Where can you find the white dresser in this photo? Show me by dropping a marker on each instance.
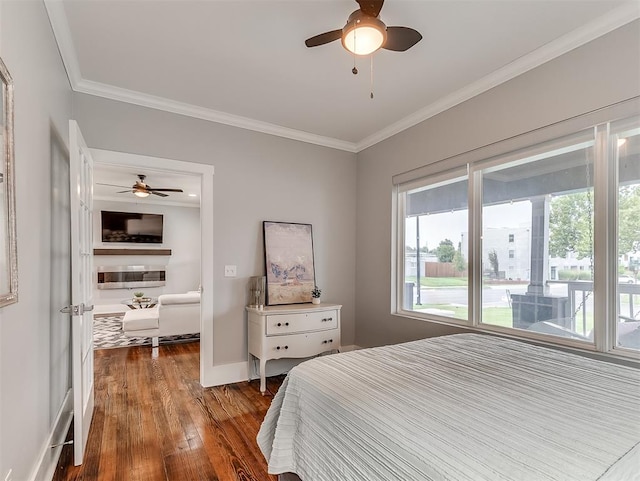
(291, 331)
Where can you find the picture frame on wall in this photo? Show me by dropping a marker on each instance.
(289, 263)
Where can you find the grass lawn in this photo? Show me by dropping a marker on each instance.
(502, 316)
(497, 316)
(439, 281)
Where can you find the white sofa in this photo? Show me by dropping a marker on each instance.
(174, 315)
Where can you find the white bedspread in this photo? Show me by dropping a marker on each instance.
(463, 407)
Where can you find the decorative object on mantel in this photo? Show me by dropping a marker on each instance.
(8, 251)
(138, 294)
(288, 258)
(315, 295)
(256, 291)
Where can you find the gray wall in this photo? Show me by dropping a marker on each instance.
(34, 346)
(595, 75)
(257, 177)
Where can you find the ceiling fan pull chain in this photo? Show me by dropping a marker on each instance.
(371, 76)
(354, 70)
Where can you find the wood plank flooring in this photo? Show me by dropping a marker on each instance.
(153, 421)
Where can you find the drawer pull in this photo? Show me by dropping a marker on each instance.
(286, 347)
(279, 324)
(277, 348)
(286, 323)
(330, 319)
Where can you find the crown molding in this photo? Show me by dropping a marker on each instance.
(616, 18)
(160, 103)
(62, 34)
(55, 9)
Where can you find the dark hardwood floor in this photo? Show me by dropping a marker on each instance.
(153, 421)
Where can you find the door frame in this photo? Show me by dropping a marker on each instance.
(206, 172)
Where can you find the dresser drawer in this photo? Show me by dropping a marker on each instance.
(301, 322)
(302, 345)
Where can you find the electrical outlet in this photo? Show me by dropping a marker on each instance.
(8, 476)
(229, 271)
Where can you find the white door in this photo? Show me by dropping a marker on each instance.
(81, 172)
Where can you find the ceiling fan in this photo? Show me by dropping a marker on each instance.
(141, 189)
(365, 33)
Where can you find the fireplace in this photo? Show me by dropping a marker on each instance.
(127, 277)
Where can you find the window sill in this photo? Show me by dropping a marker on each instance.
(623, 356)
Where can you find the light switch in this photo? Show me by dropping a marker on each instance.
(229, 271)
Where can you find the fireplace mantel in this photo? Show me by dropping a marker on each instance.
(131, 252)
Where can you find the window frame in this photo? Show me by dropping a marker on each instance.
(594, 125)
(444, 177)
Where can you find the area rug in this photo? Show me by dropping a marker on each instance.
(107, 334)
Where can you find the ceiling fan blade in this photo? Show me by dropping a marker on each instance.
(124, 191)
(370, 7)
(165, 190)
(400, 39)
(158, 193)
(323, 38)
(111, 185)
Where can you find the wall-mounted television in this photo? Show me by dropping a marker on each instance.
(131, 227)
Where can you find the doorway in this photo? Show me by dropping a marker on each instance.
(166, 169)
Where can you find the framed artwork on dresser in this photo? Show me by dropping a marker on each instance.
(288, 259)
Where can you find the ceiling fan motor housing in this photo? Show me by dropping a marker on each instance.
(362, 44)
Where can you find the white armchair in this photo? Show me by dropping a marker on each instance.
(175, 314)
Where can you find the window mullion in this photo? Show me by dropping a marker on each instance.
(605, 249)
(398, 242)
(475, 246)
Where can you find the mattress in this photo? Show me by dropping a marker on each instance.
(461, 407)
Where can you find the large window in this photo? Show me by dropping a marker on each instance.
(436, 220)
(548, 200)
(521, 242)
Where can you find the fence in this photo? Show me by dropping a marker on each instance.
(443, 269)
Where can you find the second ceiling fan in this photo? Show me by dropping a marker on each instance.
(142, 189)
(365, 33)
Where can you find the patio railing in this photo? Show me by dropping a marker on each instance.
(580, 301)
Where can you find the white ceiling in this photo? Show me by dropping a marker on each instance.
(244, 62)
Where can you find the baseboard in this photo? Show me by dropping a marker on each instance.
(238, 371)
(48, 460)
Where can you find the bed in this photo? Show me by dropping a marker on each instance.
(461, 407)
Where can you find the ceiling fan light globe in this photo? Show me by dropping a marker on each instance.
(364, 35)
(141, 193)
